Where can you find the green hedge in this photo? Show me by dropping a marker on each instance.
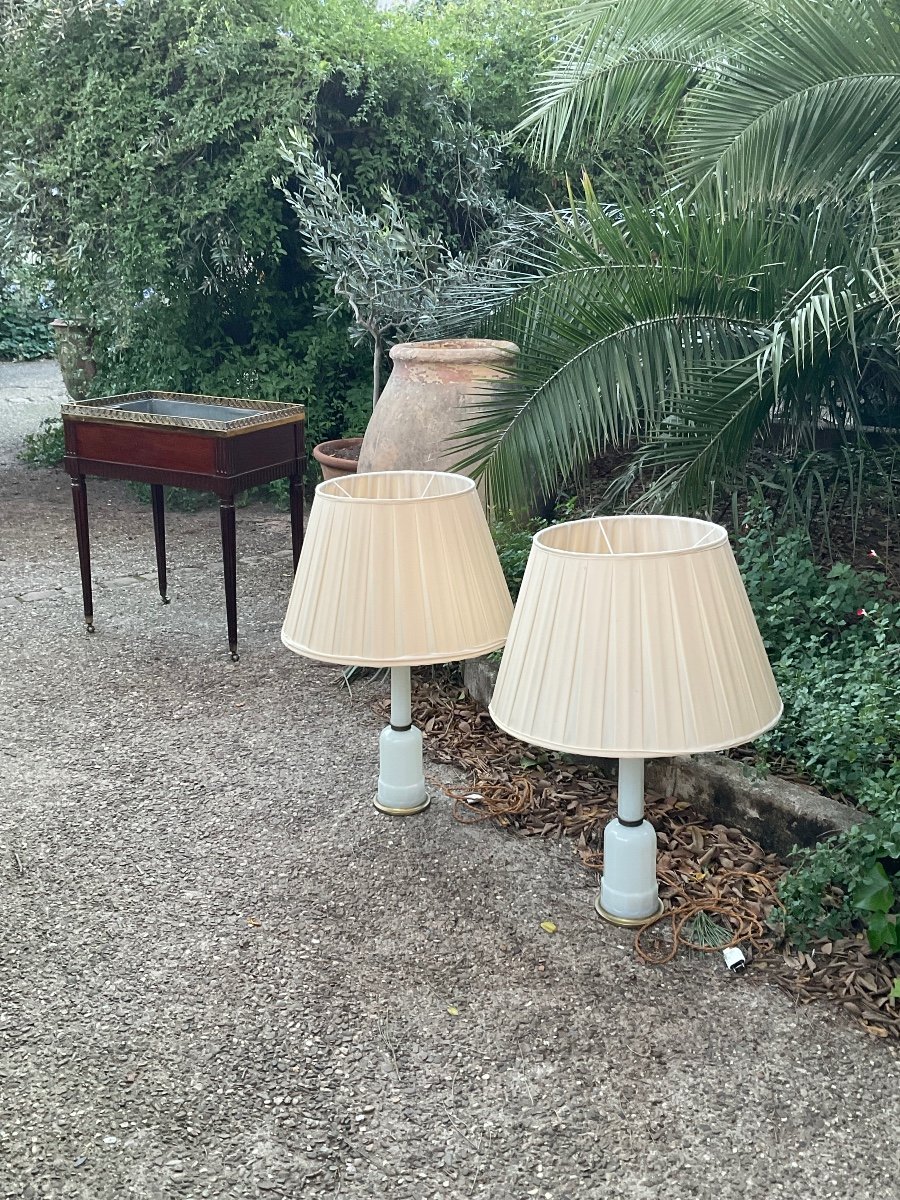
(140, 140)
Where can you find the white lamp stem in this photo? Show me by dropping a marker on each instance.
(629, 894)
(631, 790)
(401, 697)
(401, 778)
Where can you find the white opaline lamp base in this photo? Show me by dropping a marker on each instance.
(401, 777)
(629, 892)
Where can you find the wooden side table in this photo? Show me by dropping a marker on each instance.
(169, 439)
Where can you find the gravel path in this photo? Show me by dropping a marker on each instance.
(223, 974)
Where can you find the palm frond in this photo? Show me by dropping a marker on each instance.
(531, 434)
(677, 325)
(807, 105)
(626, 62)
(807, 368)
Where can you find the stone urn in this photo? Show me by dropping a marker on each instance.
(74, 353)
(425, 399)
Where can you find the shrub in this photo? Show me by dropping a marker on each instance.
(513, 543)
(513, 539)
(24, 323)
(264, 351)
(136, 138)
(44, 447)
(140, 142)
(848, 881)
(834, 644)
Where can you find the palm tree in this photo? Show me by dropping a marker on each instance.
(778, 99)
(760, 284)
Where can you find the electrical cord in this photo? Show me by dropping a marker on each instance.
(745, 925)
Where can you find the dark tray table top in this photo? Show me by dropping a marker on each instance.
(221, 415)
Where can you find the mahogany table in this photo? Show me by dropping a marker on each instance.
(169, 439)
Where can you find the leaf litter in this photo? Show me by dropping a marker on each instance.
(719, 886)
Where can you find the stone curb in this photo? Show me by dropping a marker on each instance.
(775, 812)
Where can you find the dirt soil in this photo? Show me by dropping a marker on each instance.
(224, 974)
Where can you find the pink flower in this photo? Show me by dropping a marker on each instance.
(872, 554)
(861, 612)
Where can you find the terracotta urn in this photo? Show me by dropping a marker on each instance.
(74, 352)
(338, 457)
(425, 399)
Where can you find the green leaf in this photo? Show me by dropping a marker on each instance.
(875, 893)
(883, 933)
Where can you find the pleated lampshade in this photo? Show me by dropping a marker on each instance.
(397, 568)
(633, 638)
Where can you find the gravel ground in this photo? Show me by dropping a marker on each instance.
(224, 974)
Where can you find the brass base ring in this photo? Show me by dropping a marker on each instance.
(402, 812)
(629, 922)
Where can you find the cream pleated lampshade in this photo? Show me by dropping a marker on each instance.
(397, 568)
(633, 638)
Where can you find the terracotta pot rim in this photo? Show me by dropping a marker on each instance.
(323, 452)
(455, 350)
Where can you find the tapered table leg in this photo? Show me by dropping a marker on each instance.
(229, 563)
(79, 500)
(159, 536)
(296, 493)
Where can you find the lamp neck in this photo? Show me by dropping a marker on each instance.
(631, 791)
(401, 698)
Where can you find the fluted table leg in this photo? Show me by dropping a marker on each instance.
(229, 564)
(79, 501)
(159, 537)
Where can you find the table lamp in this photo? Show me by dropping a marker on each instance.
(633, 638)
(398, 569)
